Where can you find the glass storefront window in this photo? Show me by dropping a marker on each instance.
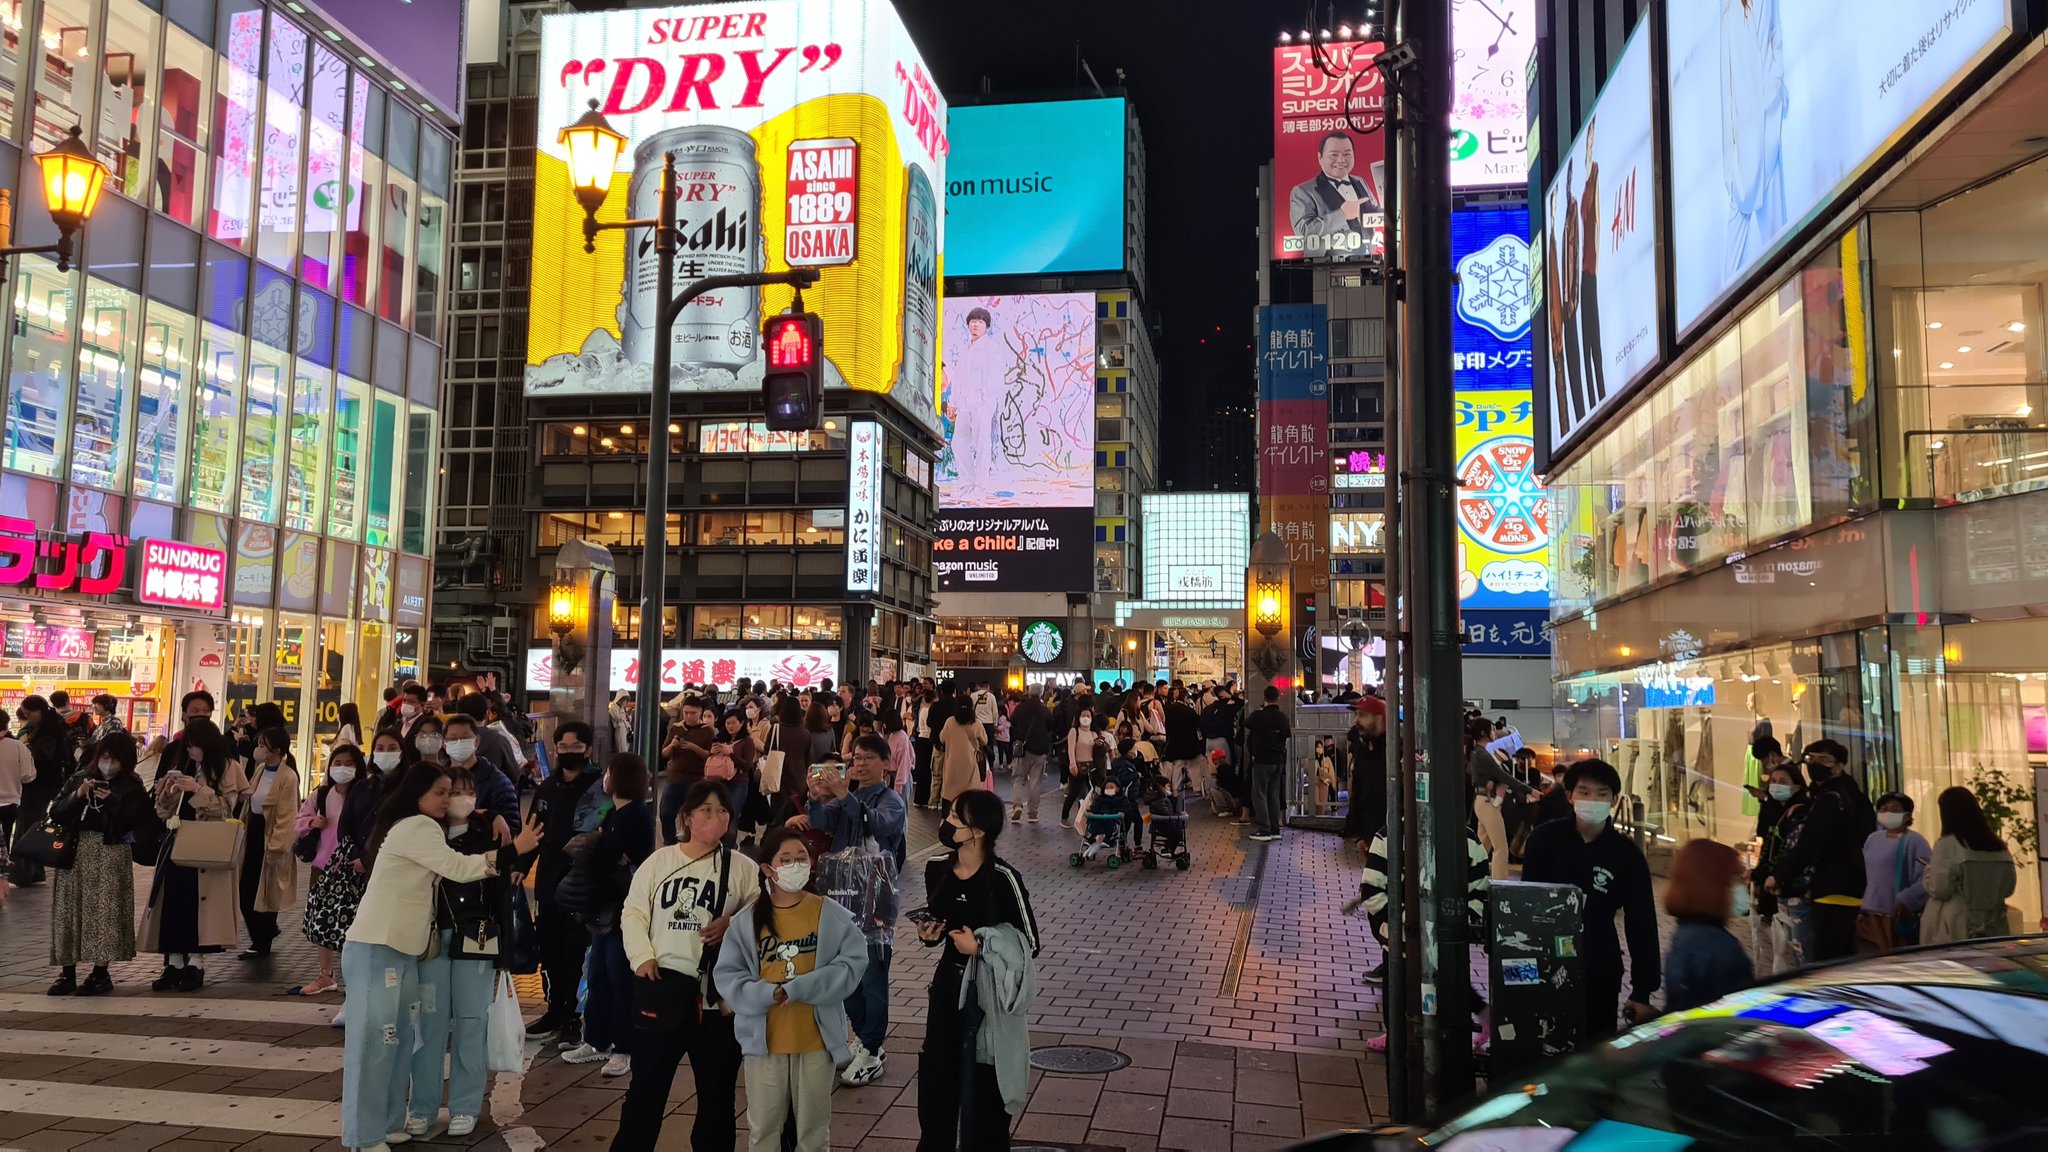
(65, 77)
(766, 622)
(332, 677)
(385, 459)
(813, 622)
(284, 144)
(307, 478)
(234, 139)
(345, 479)
(39, 366)
(1774, 410)
(401, 198)
(10, 72)
(269, 398)
(185, 108)
(168, 345)
(422, 449)
(99, 432)
(247, 658)
(433, 237)
(810, 532)
(288, 667)
(715, 622)
(365, 192)
(372, 668)
(326, 198)
(127, 143)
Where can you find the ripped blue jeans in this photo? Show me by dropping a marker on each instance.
(383, 993)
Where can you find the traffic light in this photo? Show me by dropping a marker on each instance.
(793, 387)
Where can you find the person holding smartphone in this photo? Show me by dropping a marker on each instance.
(960, 1102)
(92, 910)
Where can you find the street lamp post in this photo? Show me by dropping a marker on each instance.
(72, 179)
(593, 148)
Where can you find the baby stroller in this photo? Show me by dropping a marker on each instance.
(1166, 824)
(1108, 820)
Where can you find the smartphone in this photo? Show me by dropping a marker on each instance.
(921, 916)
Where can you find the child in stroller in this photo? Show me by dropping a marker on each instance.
(1166, 823)
(1109, 822)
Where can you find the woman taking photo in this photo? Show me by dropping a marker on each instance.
(408, 850)
(787, 990)
(336, 887)
(92, 910)
(269, 875)
(456, 979)
(677, 912)
(967, 890)
(1969, 875)
(192, 910)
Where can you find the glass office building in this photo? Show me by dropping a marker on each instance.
(239, 380)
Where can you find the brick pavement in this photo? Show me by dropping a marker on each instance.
(1232, 988)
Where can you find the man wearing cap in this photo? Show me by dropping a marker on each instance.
(1366, 747)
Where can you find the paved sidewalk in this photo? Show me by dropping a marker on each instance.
(1232, 990)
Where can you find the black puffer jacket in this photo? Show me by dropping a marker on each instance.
(1828, 850)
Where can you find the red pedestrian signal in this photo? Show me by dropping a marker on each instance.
(793, 388)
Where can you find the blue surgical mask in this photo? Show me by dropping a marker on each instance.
(1781, 792)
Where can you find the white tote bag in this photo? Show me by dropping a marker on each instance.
(505, 1042)
(771, 763)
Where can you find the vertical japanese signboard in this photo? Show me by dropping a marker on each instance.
(864, 508)
(1294, 433)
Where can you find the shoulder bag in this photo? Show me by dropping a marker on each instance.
(707, 958)
(205, 843)
(50, 844)
(771, 762)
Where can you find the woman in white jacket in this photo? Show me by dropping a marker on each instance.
(677, 911)
(407, 852)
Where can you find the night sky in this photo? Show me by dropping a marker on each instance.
(1199, 75)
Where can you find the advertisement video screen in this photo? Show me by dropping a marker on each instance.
(1017, 475)
(1035, 188)
(804, 133)
(1775, 105)
(1327, 172)
(1490, 323)
(1491, 40)
(1600, 251)
(1503, 513)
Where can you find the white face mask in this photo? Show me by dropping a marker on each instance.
(428, 744)
(108, 768)
(1739, 906)
(792, 877)
(386, 759)
(1087, 722)
(1892, 821)
(408, 710)
(459, 807)
(342, 773)
(1592, 812)
(460, 751)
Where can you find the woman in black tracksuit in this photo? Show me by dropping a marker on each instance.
(966, 889)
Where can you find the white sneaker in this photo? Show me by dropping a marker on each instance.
(461, 1125)
(400, 1137)
(865, 1069)
(416, 1126)
(619, 1065)
(337, 1021)
(585, 1054)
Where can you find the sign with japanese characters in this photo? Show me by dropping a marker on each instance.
(1358, 468)
(91, 564)
(1490, 326)
(1294, 434)
(1503, 511)
(178, 575)
(1019, 550)
(824, 203)
(1497, 633)
(864, 507)
(721, 667)
(1329, 149)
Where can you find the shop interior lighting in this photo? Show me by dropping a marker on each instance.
(1934, 325)
(625, 429)
(1937, 446)
(2016, 326)
(1963, 348)
(578, 430)
(1948, 364)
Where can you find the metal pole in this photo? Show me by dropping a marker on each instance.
(1396, 1003)
(1445, 799)
(654, 534)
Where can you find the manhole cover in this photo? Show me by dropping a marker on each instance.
(1077, 1059)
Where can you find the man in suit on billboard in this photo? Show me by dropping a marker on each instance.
(1334, 204)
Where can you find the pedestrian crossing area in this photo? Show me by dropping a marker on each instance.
(242, 1067)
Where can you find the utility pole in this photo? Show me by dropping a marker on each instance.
(1422, 69)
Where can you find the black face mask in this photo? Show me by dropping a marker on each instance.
(949, 835)
(570, 762)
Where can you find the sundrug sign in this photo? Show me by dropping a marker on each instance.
(178, 575)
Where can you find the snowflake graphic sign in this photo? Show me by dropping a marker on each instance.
(1493, 287)
(1490, 348)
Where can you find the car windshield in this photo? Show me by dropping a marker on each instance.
(1909, 1052)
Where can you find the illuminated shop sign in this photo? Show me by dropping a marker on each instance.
(721, 667)
(182, 575)
(733, 437)
(91, 564)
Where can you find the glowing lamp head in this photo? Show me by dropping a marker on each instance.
(562, 607)
(72, 179)
(593, 147)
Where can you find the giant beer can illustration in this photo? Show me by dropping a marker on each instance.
(718, 199)
(918, 383)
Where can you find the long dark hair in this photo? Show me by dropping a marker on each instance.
(349, 717)
(1963, 818)
(213, 750)
(400, 802)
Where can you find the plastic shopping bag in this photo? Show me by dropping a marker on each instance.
(505, 1042)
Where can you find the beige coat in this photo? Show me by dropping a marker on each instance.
(219, 902)
(1966, 893)
(961, 745)
(278, 888)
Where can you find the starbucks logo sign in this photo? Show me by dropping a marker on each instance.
(1041, 642)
